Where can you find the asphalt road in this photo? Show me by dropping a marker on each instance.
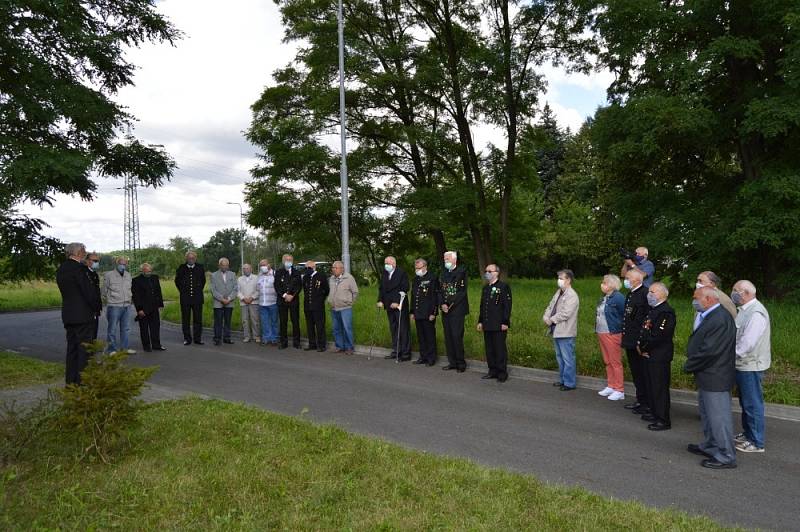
(571, 438)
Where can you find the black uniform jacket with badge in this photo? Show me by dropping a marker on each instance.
(79, 301)
(316, 288)
(389, 289)
(425, 296)
(146, 292)
(657, 332)
(288, 283)
(636, 309)
(190, 283)
(453, 291)
(495, 306)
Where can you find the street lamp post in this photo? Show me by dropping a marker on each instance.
(343, 170)
(241, 229)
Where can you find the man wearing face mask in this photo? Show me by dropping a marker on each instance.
(147, 300)
(656, 346)
(393, 282)
(247, 292)
(117, 293)
(455, 307)
(494, 321)
(316, 289)
(561, 318)
(424, 308)
(641, 263)
(267, 304)
(709, 278)
(711, 356)
(93, 264)
(341, 297)
(223, 290)
(288, 285)
(636, 309)
(190, 279)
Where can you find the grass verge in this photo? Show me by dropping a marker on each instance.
(17, 371)
(214, 465)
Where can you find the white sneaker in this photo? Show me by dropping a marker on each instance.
(740, 438)
(748, 447)
(616, 396)
(246, 340)
(605, 392)
(131, 351)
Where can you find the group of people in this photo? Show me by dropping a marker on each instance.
(730, 342)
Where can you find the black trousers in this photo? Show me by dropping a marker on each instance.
(222, 323)
(658, 376)
(77, 356)
(96, 322)
(315, 322)
(636, 363)
(150, 330)
(400, 329)
(454, 339)
(284, 313)
(496, 352)
(426, 334)
(195, 311)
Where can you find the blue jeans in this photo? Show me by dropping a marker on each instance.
(119, 318)
(751, 399)
(269, 323)
(343, 329)
(565, 356)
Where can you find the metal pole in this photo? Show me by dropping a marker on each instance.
(343, 171)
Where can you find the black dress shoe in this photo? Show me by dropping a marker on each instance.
(461, 370)
(187, 342)
(632, 406)
(404, 359)
(695, 449)
(558, 384)
(228, 341)
(566, 388)
(389, 357)
(659, 425)
(448, 368)
(642, 410)
(429, 364)
(217, 342)
(489, 376)
(162, 348)
(418, 361)
(199, 342)
(713, 464)
(502, 378)
(649, 417)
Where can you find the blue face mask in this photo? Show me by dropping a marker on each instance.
(652, 300)
(627, 284)
(120, 268)
(288, 264)
(697, 306)
(388, 267)
(736, 297)
(95, 265)
(448, 265)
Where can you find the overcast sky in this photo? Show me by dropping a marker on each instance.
(195, 99)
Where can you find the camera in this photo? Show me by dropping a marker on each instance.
(627, 255)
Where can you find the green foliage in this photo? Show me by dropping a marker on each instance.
(18, 370)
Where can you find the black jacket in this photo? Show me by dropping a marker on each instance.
(95, 278)
(80, 301)
(146, 293)
(495, 306)
(711, 353)
(636, 309)
(389, 289)
(316, 288)
(287, 282)
(657, 332)
(453, 291)
(425, 296)
(190, 283)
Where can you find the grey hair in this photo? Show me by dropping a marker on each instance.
(390, 258)
(117, 260)
(73, 248)
(451, 254)
(713, 277)
(612, 281)
(747, 287)
(337, 263)
(662, 287)
(569, 273)
(423, 261)
(145, 264)
(709, 292)
(223, 259)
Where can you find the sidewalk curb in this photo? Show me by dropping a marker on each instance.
(679, 396)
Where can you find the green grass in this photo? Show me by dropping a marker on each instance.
(213, 465)
(17, 371)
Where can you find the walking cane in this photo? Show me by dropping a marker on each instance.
(399, 321)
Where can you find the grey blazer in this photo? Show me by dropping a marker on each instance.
(223, 289)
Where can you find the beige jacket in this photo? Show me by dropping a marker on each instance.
(343, 293)
(566, 316)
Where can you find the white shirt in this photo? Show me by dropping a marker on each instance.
(753, 330)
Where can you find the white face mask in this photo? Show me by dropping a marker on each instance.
(627, 284)
(698, 285)
(561, 283)
(420, 273)
(264, 269)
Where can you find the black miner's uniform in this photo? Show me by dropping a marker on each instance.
(95, 278)
(389, 292)
(146, 292)
(655, 341)
(636, 309)
(289, 282)
(316, 288)
(496, 311)
(190, 282)
(424, 304)
(79, 306)
(453, 293)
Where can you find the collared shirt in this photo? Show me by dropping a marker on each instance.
(753, 330)
(702, 315)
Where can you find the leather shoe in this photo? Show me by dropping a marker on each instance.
(162, 348)
(187, 342)
(659, 425)
(642, 410)
(199, 342)
(558, 384)
(649, 417)
(489, 376)
(228, 341)
(566, 388)
(429, 364)
(632, 406)
(695, 449)
(217, 342)
(389, 357)
(461, 370)
(418, 361)
(713, 464)
(448, 368)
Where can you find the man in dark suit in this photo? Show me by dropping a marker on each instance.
(424, 308)
(190, 278)
(711, 356)
(494, 320)
(147, 298)
(636, 309)
(655, 345)
(455, 307)
(288, 285)
(316, 289)
(392, 289)
(92, 262)
(80, 304)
